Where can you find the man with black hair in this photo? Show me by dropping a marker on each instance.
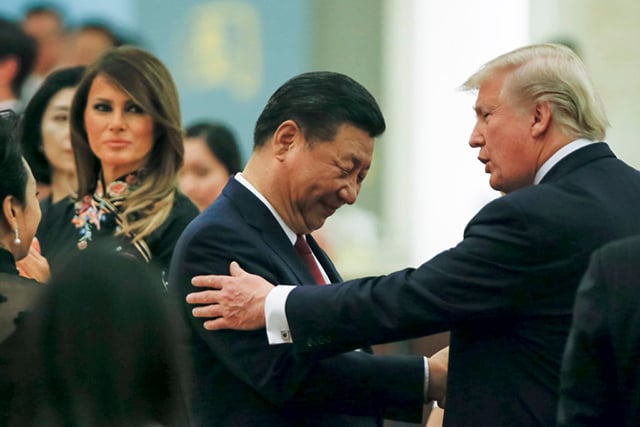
(45, 23)
(18, 53)
(313, 145)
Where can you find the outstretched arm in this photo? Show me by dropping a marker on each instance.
(438, 369)
(389, 386)
(237, 302)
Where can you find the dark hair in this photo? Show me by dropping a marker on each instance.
(319, 102)
(13, 174)
(101, 26)
(103, 345)
(44, 9)
(14, 41)
(221, 142)
(31, 122)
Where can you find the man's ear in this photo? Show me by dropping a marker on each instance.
(285, 137)
(541, 119)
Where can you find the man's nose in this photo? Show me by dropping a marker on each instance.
(349, 193)
(476, 139)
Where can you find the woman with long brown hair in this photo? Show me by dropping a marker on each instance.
(128, 146)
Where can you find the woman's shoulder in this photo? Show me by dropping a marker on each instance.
(183, 205)
(56, 223)
(17, 295)
(8, 280)
(183, 211)
(57, 211)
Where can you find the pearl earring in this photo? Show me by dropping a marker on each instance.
(17, 240)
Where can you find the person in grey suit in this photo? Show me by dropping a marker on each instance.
(506, 290)
(313, 145)
(600, 376)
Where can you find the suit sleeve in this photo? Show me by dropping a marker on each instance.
(354, 383)
(494, 272)
(587, 375)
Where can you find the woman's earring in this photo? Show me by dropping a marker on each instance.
(17, 240)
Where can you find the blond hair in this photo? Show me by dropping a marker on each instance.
(549, 73)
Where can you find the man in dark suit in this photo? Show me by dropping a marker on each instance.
(600, 376)
(506, 290)
(313, 145)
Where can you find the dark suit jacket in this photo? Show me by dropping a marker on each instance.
(241, 379)
(600, 378)
(506, 292)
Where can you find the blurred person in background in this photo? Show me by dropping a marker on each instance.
(128, 147)
(19, 218)
(211, 156)
(45, 23)
(45, 135)
(600, 376)
(18, 53)
(101, 348)
(87, 41)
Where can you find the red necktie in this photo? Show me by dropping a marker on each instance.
(302, 247)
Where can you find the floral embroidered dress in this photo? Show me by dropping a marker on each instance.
(102, 211)
(72, 225)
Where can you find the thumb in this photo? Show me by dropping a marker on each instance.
(235, 269)
(35, 243)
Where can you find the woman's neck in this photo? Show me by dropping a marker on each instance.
(110, 174)
(63, 184)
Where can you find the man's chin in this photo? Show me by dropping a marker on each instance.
(316, 224)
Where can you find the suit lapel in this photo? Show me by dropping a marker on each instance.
(258, 216)
(325, 261)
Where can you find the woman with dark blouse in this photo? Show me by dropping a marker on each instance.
(127, 142)
(102, 349)
(19, 217)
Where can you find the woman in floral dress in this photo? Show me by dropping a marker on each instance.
(128, 145)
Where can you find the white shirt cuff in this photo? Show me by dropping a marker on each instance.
(276, 319)
(426, 379)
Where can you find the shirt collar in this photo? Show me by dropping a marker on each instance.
(288, 231)
(559, 155)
